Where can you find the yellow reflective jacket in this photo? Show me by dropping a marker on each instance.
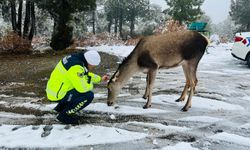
(70, 73)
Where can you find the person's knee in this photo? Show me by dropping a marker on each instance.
(89, 96)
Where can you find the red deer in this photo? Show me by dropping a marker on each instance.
(184, 48)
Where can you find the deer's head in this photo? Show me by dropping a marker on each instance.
(113, 89)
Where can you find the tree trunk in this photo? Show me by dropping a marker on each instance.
(116, 25)
(19, 22)
(13, 15)
(132, 27)
(33, 21)
(109, 26)
(63, 32)
(26, 20)
(120, 23)
(93, 21)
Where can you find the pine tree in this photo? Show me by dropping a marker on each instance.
(184, 10)
(62, 13)
(240, 13)
(120, 11)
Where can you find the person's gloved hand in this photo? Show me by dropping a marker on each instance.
(105, 78)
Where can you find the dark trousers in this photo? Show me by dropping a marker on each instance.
(73, 102)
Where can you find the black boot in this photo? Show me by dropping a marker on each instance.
(67, 119)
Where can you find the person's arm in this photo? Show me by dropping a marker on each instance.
(78, 79)
(95, 78)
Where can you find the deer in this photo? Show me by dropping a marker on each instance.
(181, 48)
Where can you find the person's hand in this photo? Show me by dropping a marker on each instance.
(105, 78)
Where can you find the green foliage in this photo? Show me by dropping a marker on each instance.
(67, 6)
(122, 11)
(240, 13)
(184, 10)
(5, 10)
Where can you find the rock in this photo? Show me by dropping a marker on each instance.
(67, 127)
(17, 127)
(35, 127)
(112, 117)
(47, 128)
(46, 133)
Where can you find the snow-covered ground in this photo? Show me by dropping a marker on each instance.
(218, 119)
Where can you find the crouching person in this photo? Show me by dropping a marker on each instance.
(71, 84)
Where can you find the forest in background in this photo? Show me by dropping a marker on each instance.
(65, 23)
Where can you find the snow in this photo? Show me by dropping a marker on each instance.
(4, 96)
(169, 129)
(228, 101)
(231, 138)
(180, 146)
(60, 136)
(102, 95)
(245, 126)
(197, 102)
(14, 115)
(204, 119)
(96, 107)
(247, 98)
(127, 110)
(120, 51)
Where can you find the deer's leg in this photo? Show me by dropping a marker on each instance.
(187, 86)
(151, 79)
(145, 96)
(193, 82)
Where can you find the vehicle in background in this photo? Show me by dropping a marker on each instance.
(241, 47)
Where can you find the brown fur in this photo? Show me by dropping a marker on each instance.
(184, 48)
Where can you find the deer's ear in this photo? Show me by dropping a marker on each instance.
(115, 76)
(114, 79)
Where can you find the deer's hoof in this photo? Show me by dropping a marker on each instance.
(184, 109)
(110, 103)
(179, 100)
(146, 106)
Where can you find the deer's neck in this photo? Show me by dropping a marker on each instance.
(126, 71)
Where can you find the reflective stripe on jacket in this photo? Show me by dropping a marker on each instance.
(62, 80)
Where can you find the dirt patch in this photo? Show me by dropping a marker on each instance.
(179, 137)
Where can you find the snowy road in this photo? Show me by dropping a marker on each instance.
(218, 120)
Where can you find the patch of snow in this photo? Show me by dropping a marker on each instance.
(180, 146)
(35, 106)
(21, 116)
(97, 107)
(60, 137)
(160, 126)
(101, 95)
(3, 102)
(246, 98)
(213, 72)
(127, 110)
(14, 115)
(245, 126)
(16, 83)
(4, 96)
(205, 119)
(231, 138)
(197, 102)
(112, 117)
(29, 93)
(120, 51)
(98, 95)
